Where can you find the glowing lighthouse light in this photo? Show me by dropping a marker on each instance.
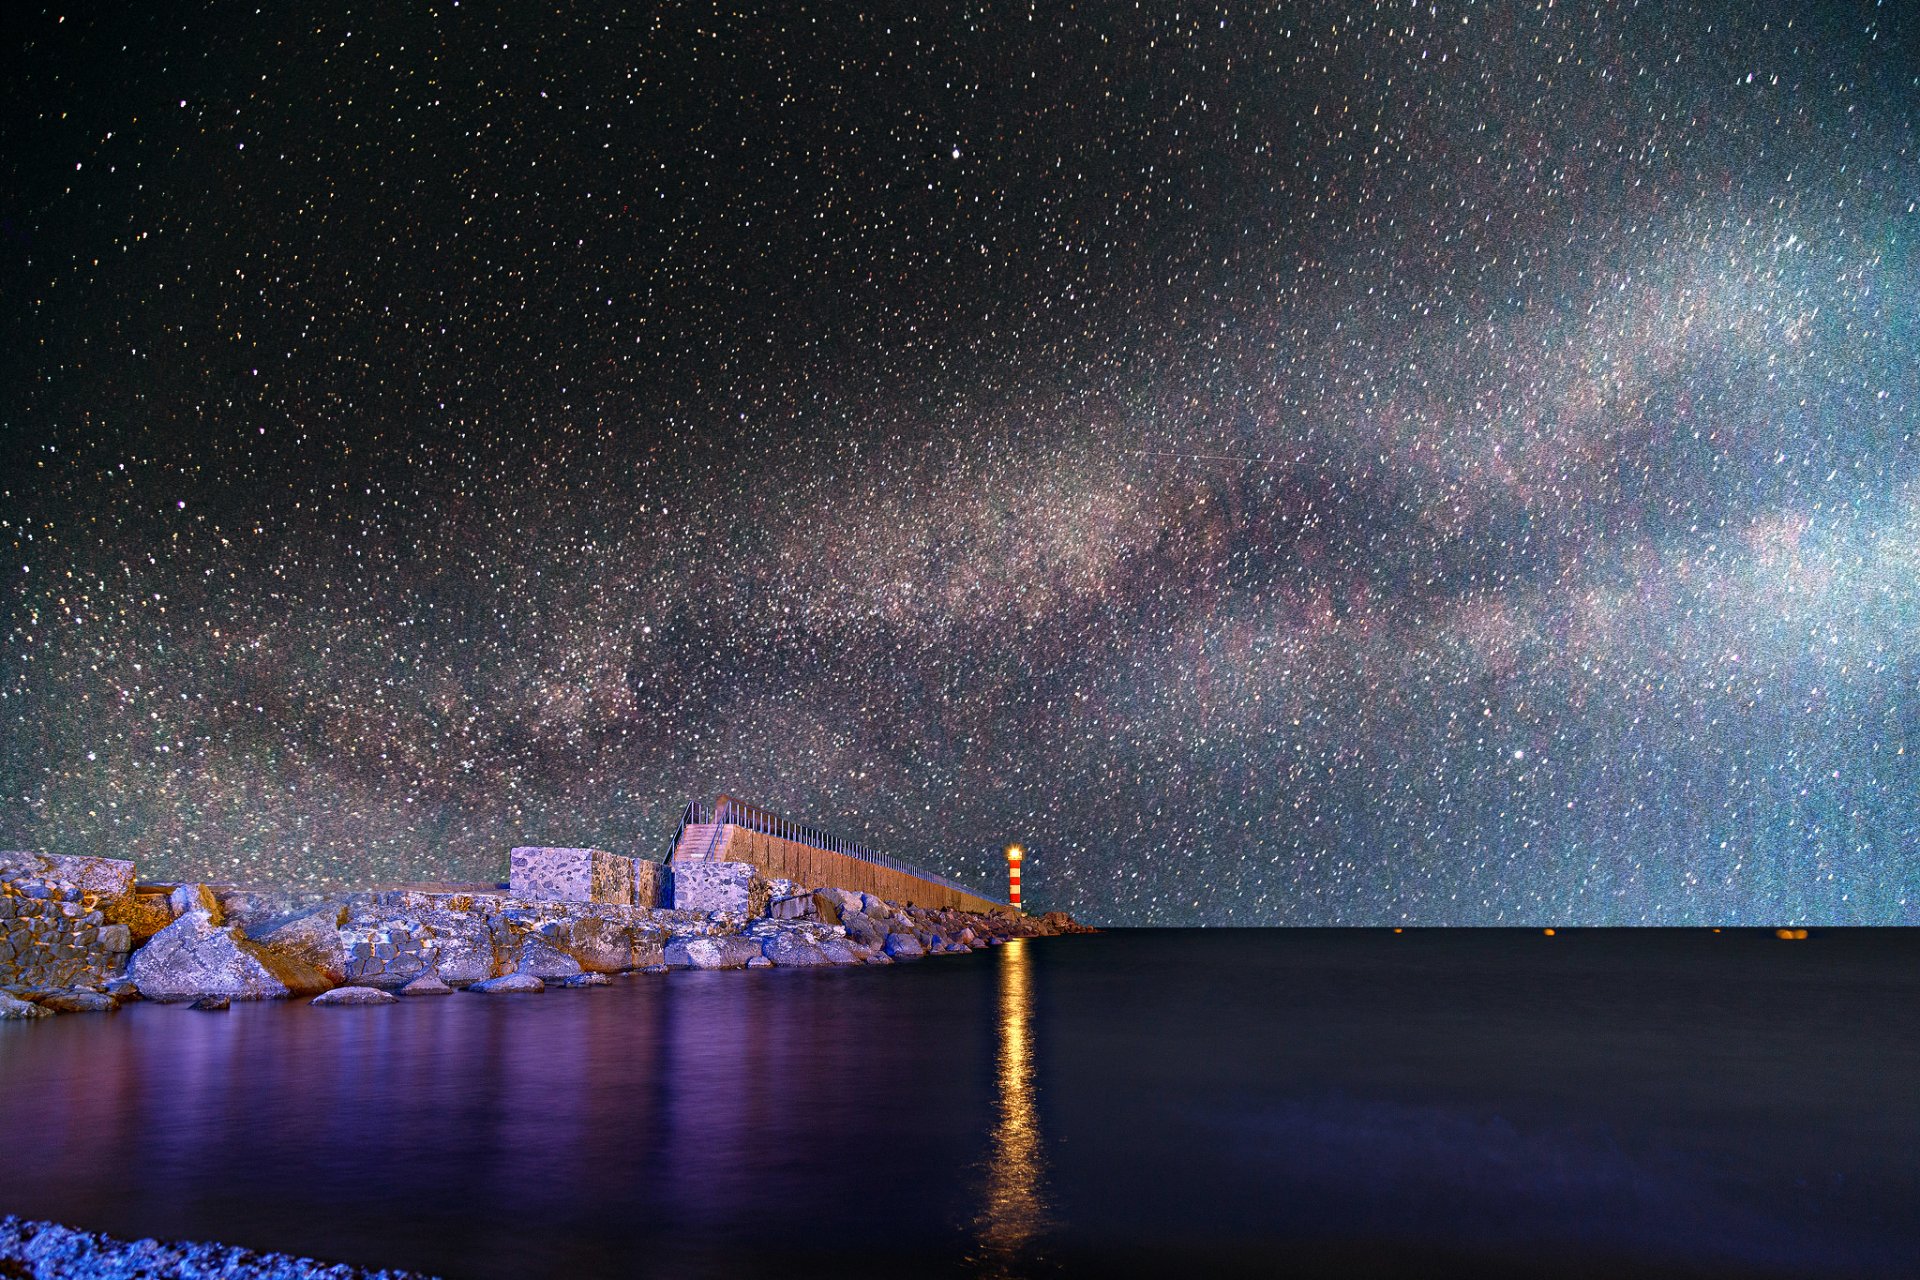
(1014, 855)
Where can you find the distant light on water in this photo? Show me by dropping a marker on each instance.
(1014, 1210)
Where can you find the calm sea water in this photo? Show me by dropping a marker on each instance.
(1166, 1102)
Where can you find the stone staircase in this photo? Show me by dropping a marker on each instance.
(694, 842)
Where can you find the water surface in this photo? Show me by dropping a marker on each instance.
(1252, 1102)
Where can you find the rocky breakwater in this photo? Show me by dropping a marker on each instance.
(92, 948)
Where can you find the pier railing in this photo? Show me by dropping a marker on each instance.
(727, 811)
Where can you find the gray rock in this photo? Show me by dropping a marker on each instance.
(905, 946)
(827, 905)
(426, 985)
(542, 959)
(509, 984)
(14, 1009)
(461, 945)
(194, 957)
(863, 930)
(727, 951)
(195, 897)
(838, 951)
(759, 962)
(585, 980)
(211, 1004)
(79, 1002)
(356, 995)
(605, 945)
(879, 957)
(312, 940)
(794, 950)
(656, 968)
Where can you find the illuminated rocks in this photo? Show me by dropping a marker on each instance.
(63, 949)
(195, 957)
(45, 1249)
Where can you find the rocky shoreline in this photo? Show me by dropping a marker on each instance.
(78, 936)
(49, 1251)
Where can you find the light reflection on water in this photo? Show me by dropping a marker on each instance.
(1014, 1209)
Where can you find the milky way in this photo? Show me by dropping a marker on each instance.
(1338, 464)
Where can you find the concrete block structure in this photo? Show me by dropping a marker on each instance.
(552, 874)
(734, 887)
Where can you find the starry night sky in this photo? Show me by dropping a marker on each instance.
(1331, 464)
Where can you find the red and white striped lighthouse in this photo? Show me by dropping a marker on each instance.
(1014, 856)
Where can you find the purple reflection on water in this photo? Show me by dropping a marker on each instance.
(1703, 1103)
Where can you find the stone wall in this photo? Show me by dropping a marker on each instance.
(53, 932)
(105, 877)
(779, 859)
(553, 874)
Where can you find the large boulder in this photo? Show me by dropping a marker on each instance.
(905, 946)
(141, 915)
(838, 951)
(195, 957)
(426, 985)
(604, 945)
(792, 949)
(542, 959)
(728, 951)
(313, 940)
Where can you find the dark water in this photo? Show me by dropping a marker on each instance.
(1251, 1102)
